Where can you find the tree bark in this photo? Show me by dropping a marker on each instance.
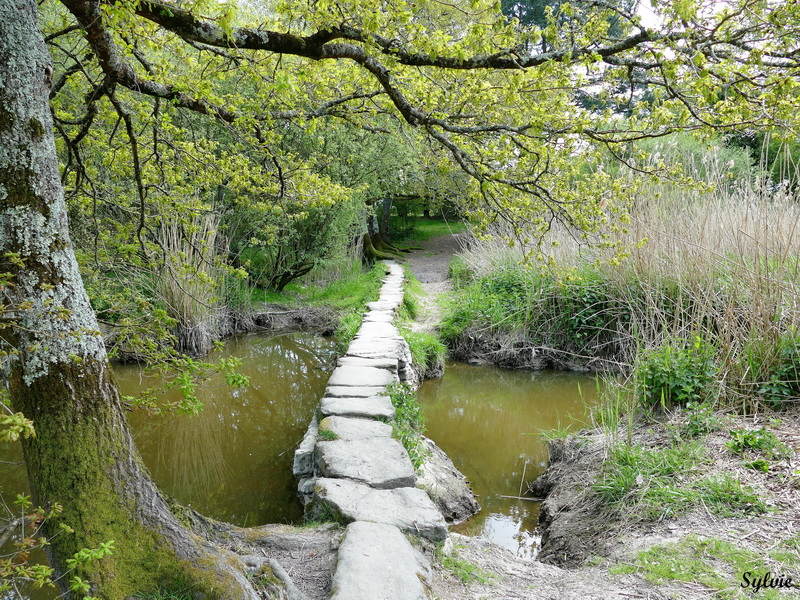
(83, 456)
(385, 205)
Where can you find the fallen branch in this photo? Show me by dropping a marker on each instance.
(522, 498)
(7, 529)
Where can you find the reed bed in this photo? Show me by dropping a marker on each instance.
(705, 302)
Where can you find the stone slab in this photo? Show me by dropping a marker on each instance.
(377, 407)
(382, 305)
(410, 509)
(348, 429)
(381, 463)
(376, 562)
(360, 376)
(371, 329)
(342, 391)
(305, 490)
(303, 463)
(367, 348)
(377, 363)
(378, 316)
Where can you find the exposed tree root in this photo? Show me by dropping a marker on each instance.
(258, 564)
(371, 253)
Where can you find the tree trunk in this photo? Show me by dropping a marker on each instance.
(83, 456)
(386, 212)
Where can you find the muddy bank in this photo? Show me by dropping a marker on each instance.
(268, 318)
(573, 520)
(579, 528)
(512, 351)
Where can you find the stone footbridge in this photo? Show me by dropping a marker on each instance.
(350, 468)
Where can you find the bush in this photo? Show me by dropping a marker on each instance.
(676, 373)
(784, 378)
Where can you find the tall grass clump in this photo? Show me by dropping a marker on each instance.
(189, 281)
(718, 262)
(409, 423)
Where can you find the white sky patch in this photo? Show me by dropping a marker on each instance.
(650, 19)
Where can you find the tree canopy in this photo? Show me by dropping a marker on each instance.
(462, 75)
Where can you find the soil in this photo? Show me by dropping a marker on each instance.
(430, 265)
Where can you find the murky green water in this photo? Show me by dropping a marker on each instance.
(487, 420)
(233, 461)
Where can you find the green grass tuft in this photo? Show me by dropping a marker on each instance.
(661, 482)
(409, 423)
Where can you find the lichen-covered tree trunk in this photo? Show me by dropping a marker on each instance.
(83, 456)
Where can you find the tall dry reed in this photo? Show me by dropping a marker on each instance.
(189, 282)
(720, 261)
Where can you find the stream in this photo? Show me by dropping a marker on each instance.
(488, 420)
(233, 460)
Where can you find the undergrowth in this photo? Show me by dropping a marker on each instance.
(427, 350)
(650, 481)
(409, 422)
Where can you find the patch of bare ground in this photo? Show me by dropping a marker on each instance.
(587, 535)
(501, 575)
(430, 265)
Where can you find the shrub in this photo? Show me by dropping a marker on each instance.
(676, 373)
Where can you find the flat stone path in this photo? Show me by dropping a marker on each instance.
(350, 467)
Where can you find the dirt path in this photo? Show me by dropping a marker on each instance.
(430, 266)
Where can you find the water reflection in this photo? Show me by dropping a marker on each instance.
(233, 460)
(486, 419)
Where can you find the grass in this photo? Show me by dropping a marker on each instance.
(463, 570)
(713, 563)
(427, 350)
(177, 590)
(421, 229)
(409, 424)
(347, 293)
(190, 282)
(328, 435)
(663, 481)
